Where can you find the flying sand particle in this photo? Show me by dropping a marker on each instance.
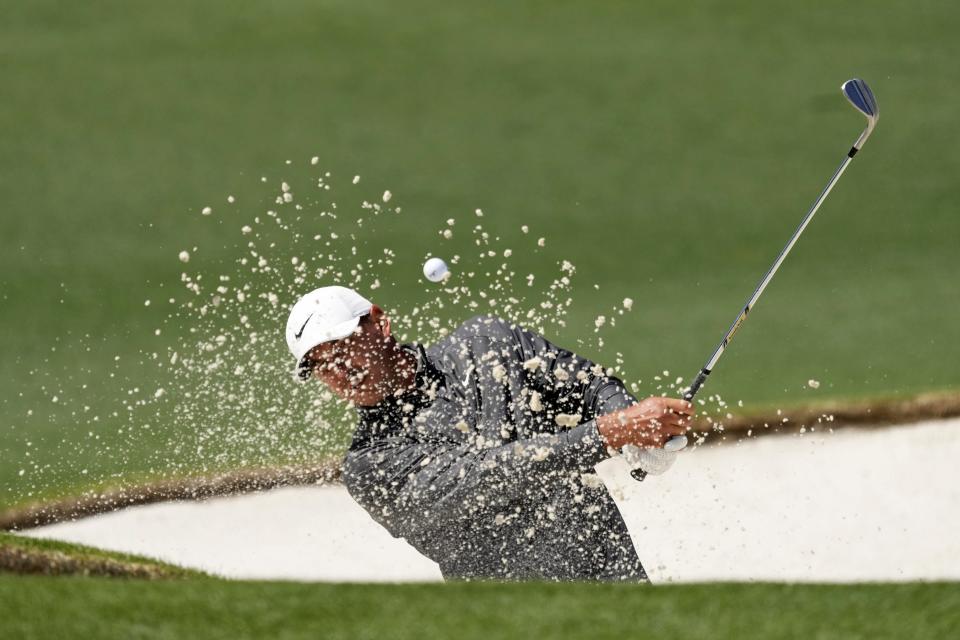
(535, 402)
(533, 363)
(567, 419)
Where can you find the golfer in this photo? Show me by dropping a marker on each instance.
(480, 449)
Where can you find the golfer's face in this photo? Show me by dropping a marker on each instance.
(353, 366)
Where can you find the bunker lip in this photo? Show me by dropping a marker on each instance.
(56, 563)
(26, 556)
(832, 415)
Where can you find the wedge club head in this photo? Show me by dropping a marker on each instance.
(860, 96)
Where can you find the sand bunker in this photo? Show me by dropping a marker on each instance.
(849, 506)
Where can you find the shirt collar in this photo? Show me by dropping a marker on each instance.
(428, 379)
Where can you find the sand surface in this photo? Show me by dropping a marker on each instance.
(848, 506)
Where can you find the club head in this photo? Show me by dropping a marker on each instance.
(860, 96)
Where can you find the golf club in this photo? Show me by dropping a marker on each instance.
(860, 96)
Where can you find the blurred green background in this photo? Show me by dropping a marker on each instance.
(667, 149)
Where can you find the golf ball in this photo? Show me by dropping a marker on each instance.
(435, 270)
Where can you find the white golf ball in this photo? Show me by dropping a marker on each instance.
(435, 270)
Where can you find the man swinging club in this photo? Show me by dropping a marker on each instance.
(480, 449)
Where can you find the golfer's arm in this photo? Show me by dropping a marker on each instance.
(430, 484)
(565, 374)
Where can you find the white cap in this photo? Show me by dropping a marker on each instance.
(323, 315)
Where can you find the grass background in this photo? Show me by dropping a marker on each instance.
(667, 149)
(34, 607)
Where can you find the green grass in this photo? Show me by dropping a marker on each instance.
(58, 608)
(667, 149)
(83, 553)
(200, 606)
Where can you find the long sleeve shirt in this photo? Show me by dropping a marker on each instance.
(487, 465)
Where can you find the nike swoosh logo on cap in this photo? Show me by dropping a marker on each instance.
(300, 333)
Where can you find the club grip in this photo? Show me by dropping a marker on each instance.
(692, 390)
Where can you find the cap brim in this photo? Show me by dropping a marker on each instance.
(311, 339)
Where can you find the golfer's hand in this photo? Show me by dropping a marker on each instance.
(649, 423)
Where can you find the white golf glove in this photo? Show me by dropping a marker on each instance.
(653, 461)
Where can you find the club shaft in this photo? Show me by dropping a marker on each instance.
(691, 392)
